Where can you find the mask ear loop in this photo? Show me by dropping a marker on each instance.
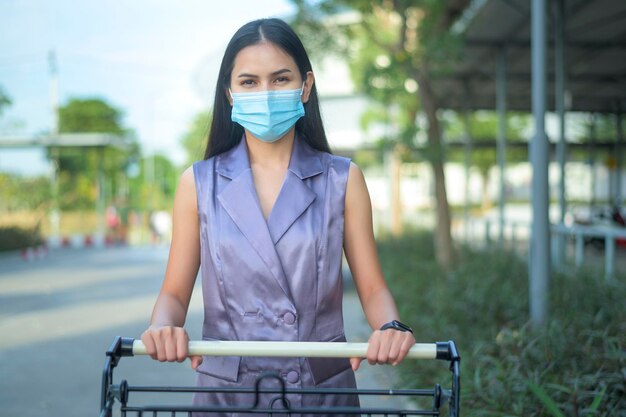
(302, 89)
(231, 96)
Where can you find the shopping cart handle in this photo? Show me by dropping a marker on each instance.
(296, 349)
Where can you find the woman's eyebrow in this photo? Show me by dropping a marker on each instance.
(281, 71)
(246, 75)
(275, 73)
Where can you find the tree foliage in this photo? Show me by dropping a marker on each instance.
(195, 139)
(483, 128)
(589, 127)
(392, 49)
(155, 186)
(90, 115)
(14, 198)
(78, 167)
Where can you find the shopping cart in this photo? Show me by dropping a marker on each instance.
(116, 396)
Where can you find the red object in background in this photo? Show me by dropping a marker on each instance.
(27, 254)
(617, 217)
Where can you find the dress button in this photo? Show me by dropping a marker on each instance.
(293, 377)
(289, 317)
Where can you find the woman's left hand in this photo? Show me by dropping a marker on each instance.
(386, 346)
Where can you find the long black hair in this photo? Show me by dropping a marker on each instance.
(226, 134)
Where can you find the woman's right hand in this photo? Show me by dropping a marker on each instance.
(168, 344)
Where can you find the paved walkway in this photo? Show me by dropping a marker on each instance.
(59, 314)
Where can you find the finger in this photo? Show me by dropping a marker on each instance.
(396, 344)
(159, 343)
(195, 361)
(355, 363)
(170, 348)
(405, 346)
(385, 344)
(372, 347)
(148, 342)
(182, 345)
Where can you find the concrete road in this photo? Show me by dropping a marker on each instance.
(59, 314)
(57, 317)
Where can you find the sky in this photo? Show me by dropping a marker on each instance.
(156, 60)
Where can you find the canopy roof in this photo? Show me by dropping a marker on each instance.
(595, 55)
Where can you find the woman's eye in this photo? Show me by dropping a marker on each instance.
(247, 82)
(281, 80)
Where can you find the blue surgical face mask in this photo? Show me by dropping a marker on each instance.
(268, 115)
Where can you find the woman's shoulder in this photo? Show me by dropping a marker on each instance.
(186, 189)
(339, 163)
(203, 167)
(187, 178)
(204, 162)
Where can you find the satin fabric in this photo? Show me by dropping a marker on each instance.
(278, 279)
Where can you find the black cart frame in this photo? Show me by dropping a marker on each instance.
(117, 396)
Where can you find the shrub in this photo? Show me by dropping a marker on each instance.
(574, 366)
(14, 238)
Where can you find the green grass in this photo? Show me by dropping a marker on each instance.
(574, 366)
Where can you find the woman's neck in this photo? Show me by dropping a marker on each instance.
(275, 155)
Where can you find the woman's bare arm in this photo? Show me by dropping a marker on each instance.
(166, 339)
(389, 346)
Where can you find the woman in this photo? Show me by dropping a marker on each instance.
(266, 216)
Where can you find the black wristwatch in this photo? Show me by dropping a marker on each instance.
(396, 325)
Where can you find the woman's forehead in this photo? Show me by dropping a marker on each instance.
(263, 58)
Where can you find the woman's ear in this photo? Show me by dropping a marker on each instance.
(308, 86)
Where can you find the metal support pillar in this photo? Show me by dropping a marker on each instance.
(467, 148)
(559, 94)
(55, 207)
(592, 161)
(619, 157)
(540, 235)
(609, 256)
(501, 93)
(55, 212)
(100, 209)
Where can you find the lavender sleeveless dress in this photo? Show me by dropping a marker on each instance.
(278, 279)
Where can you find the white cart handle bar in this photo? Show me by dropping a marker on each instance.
(439, 350)
(125, 346)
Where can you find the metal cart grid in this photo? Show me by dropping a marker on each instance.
(116, 396)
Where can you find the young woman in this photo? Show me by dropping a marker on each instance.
(265, 216)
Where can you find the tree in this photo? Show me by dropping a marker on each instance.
(78, 166)
(483, 127)
(154, 187)
(393, 50)
(194, 141)
(90, 115)
(13, 197)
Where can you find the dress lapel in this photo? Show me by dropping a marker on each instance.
(240, 201)
(294, 196)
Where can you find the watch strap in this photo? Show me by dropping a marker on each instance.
(396, 325)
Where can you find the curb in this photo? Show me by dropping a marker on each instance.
(78, 240)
